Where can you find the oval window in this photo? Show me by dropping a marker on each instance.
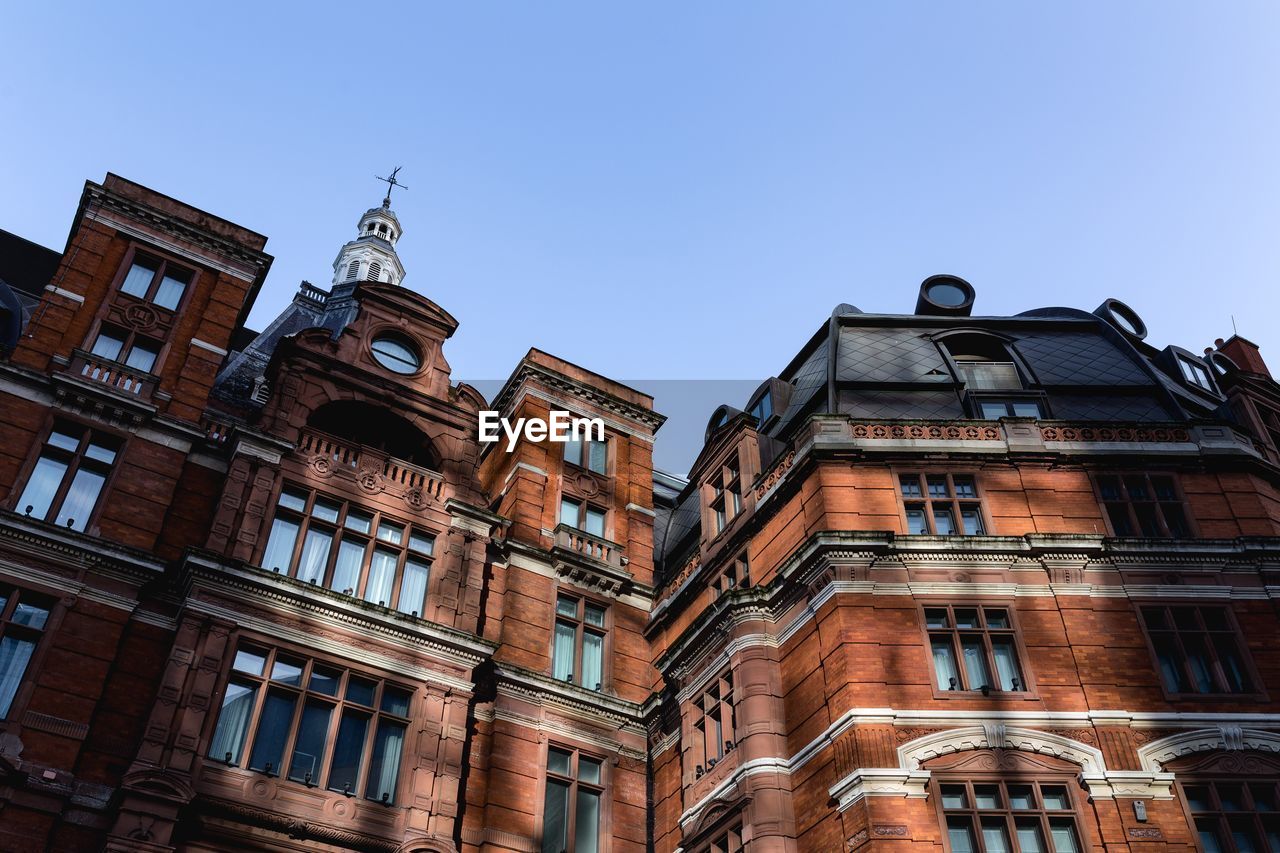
(395, 354)
(948, 294)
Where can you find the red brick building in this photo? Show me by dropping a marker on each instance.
(947, 581)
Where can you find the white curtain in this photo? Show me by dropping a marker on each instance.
(995, 839)
(562, 652)
(944, 665)
(279, 553)
(975, 664)
(346, 570)
(138, 281)
(592, 660)
(81, 498)
(315, 556)
(388, 745)
(413, 589)
(42, 486)
(382, 572)
(1030, 839)
(15, 653)
(1064, 838)
(169, 294)
(233, 722)
(1007, 665)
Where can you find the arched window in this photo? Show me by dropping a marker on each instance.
(1233, 798)
(353, 270)
(377, 428)
(375, 271)
(995, 381)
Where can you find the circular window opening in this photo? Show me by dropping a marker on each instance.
(1123, 318)
(948, 294)
(1222, 364)
(396, 354)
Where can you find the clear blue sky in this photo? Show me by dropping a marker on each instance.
(685, 190)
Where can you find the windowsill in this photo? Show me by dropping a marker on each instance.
(992, 696)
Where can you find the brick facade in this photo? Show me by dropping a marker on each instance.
(304, 608)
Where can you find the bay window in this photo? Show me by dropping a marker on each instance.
(313, 723)
(350, 549)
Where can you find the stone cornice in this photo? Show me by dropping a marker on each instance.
(543, 689)
(558, 381)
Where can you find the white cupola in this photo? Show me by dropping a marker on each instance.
(371, 256)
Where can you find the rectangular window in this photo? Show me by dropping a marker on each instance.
(571, 814)
(67, 480)
(352, 550)
(763, 409)
(127, 348)
(974, 648)
(158, 282)
(577, 650)
(735, 576)
(726, 493)
(714, 732)
(1196, 373)
(729, 841)
(22, 619)
(314, 724)
(1197, 648)
(994, 409)
(989, 375)
(582, 515)
(1142, 504)
(592, 455)
(1000, 817)
(941, 504)
(1238, 815)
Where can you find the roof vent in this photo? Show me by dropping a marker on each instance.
(945, 296)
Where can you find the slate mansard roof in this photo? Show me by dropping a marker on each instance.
(1085, 367)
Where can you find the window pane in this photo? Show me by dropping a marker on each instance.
(346, 569)
(388, 743)
(1232, 664)
(1021, 797)
(995, 836)
(1231, 797)
(138, 281)
(273, 729)
(344, 772)
(308, 749)
(170, 291)
(293, 500)
(287, 671)
(966, 617)
(392, 533)
(558, 761)
(15, 654)
(567, 606)
(360, 522)
(910, 486)
(562, 652)
(107, 346)
(100, 453)
(30, 615)
(1063, 834)
(994, 411)
(1209, 839)
(960, 834)
(555, 818)
(944, 665)
(997, 618)
(573, 451)
(233, 722)
(943, 522)
(1170, 669)
(1030, 838)
(964, 487)
(975, 664)
(315, 556)
(568, 513)
(81, 498)
(279, 553)
(1118, 514)
(326, 510)
(595, 522)
(43, 485)
(1198, 661)
(938, 487)
(1026, 409)
(422, 543)
(972, 520)
(361, 690)
(597, 455)
(595, 615)
(413, 588)
(953, 797)
(589, 770)
(250, 661)
(915, 521)
(1010, 676)
(935, 617)
(592, 660)
(1055, 798)
(986, 796)
(396, 701)
(382, 571)
(586, 838)
(142, 356)
(324, 680)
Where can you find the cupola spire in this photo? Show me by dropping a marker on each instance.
(371, 256)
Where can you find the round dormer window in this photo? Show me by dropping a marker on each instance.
(396, 354)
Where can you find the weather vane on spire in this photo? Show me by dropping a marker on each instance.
(391, 184)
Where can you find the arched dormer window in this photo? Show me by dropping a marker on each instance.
(997, 383)
(353, 270)
(375, 271)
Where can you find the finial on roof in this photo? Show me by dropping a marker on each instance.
(391, 183)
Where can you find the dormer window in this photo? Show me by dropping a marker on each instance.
(763, 408)
(1195, 373)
